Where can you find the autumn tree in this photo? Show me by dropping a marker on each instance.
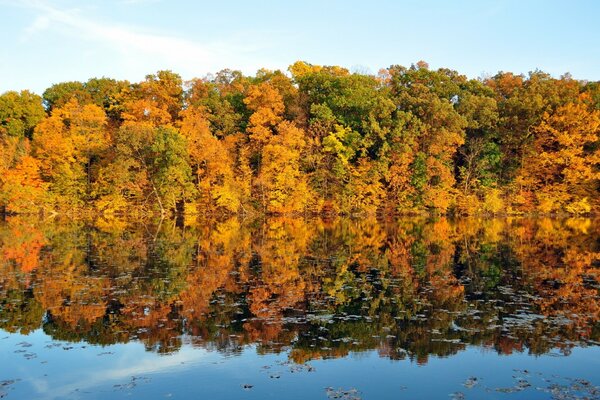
(23, 189)
(561, 171)
(267, 108)
(68, 144)
(158, 99)
(211, 162)
(223, 117)
(522, 101)
(282, 188)
(150, 169)
(20, 186)
(20, 113)
(429, 95)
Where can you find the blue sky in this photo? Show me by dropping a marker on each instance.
(48, 41)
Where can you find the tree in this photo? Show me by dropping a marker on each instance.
(158, 99)
(440, 132)
(152, 163)
(59, 94)
(20, 113)
(267, 106)
(522, 101)
(23, 189)
(561, 171)
(211, 163)
(68, 143)
(281, 187)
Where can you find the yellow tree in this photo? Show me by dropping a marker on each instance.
(23, 189)
(158, 99)
(282, 188)
(561, 171)
(365, 186)
(267, 106)
(66, 143)
(11, 150)
(277, 145)
(211, 163)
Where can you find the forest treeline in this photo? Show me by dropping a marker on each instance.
(318, 139)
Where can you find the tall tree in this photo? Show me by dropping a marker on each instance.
(561, 172)
(68, 143)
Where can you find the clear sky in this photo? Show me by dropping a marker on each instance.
(48, 41)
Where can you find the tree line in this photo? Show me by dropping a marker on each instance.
(318, 140)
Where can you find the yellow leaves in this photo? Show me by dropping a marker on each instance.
(579, 207)
(290, 136)
(143, 110)
(562, 170)
(111, 204)
(202, 146)
(65, 144)
(267, 104)
(88, 125)
(194, 123)
(281, 186)
(232, 143)
(399, 182)
(439, 199)
(52, 144)
(264, 96)
(366, 188)
(505, 83)
(211, 162)
(157, 100)
(301, 68)
(492, 202)
(334, 143)
(467, 204)
(23, 188)
(228, 196)
(445, 143)
(73, 133)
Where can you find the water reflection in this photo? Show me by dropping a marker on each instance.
(411, 288)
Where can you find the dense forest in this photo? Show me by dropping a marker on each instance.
(316, 140)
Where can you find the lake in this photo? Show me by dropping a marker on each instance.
(300, 309)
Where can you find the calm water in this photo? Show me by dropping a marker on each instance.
(300, 309)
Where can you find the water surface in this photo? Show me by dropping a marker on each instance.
(292, 308)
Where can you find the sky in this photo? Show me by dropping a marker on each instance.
(43, 42)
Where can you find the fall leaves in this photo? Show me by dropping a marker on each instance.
(561, 171)
(319, 140)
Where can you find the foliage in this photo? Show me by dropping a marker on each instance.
(319, 139)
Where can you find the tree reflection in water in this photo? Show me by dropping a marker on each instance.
(318, 289)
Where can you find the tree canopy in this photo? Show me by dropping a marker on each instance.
(315, 139)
